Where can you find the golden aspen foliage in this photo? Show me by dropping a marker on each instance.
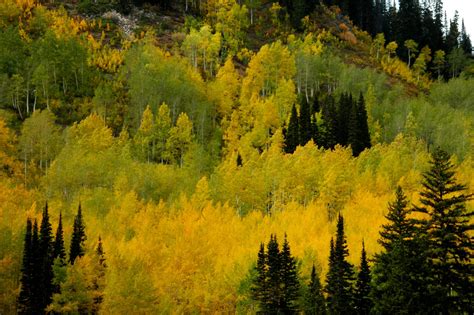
(225, 90)
(11, 168)
(144, 138)
(180, 138)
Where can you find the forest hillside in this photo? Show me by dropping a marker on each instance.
(223, 156)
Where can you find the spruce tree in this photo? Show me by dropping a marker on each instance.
(340, 275)
(25, 302)
(274, 300)
(305, 128)
(448, 229)
(259, 287)
(289, 280)
(78, 237)
(343, 113)
(465, 40)
(59, 249)
(363, 123)
(36, 293)
(46, 257)
(400, 273)
(329, 126)
(314, 302)
(363, 302)
(292, 138)
(358, 129)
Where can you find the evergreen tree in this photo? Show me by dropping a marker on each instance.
(400, 273)
(292, 138)
(25, 302)
(59, 249)
(448, 229)
(408, 23)
(437, 37)
(46, 257)
(465, 40)
(363, 124)
(358, 129)
(78, 237)
(452, 38)
(276, 285)
(36, 293)
(363, 303)
(329, 125)
(314, 302)
(343, 114)
(305, 128)
(289, 280)
(340, 275)
(274, 300)
(259, 287)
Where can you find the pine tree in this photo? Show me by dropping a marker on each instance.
(46, 257)
(400, 272)
(276, 286)
(329, 126)
(452, 38)
(274, 300)
(363, 124)
(305, 128)
(314, 302)
(363, 303)
(36, 293)
(358, 129)
(343, 113)
(59, 249)
(340, 275)
(448, 229)
(465, 40)
(25, 302)
(259, 287)
(289, 280)
(78, 237)
(292, 138)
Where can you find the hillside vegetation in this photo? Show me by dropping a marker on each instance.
(153, 148)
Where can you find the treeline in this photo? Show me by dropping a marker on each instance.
(48, 279)
(425, 265)
(344, 123)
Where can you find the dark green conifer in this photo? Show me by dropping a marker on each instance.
(340, 275)
(363, 302)
(78, 237)
(292, 137)
(59, 249)
(343, 115)
(400, 272)
(259, 287)
(25, 301)
(329, 125)
(305, 128)
(314, 302)
(36, 294)
(448, 229)
(274, 300)
(46, 257)
(358, 129)
(289, 280)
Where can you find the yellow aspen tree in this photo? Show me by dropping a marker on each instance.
(180, 138)
(162, 130)
(144, 140)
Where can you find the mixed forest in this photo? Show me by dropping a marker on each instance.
(235, 156)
